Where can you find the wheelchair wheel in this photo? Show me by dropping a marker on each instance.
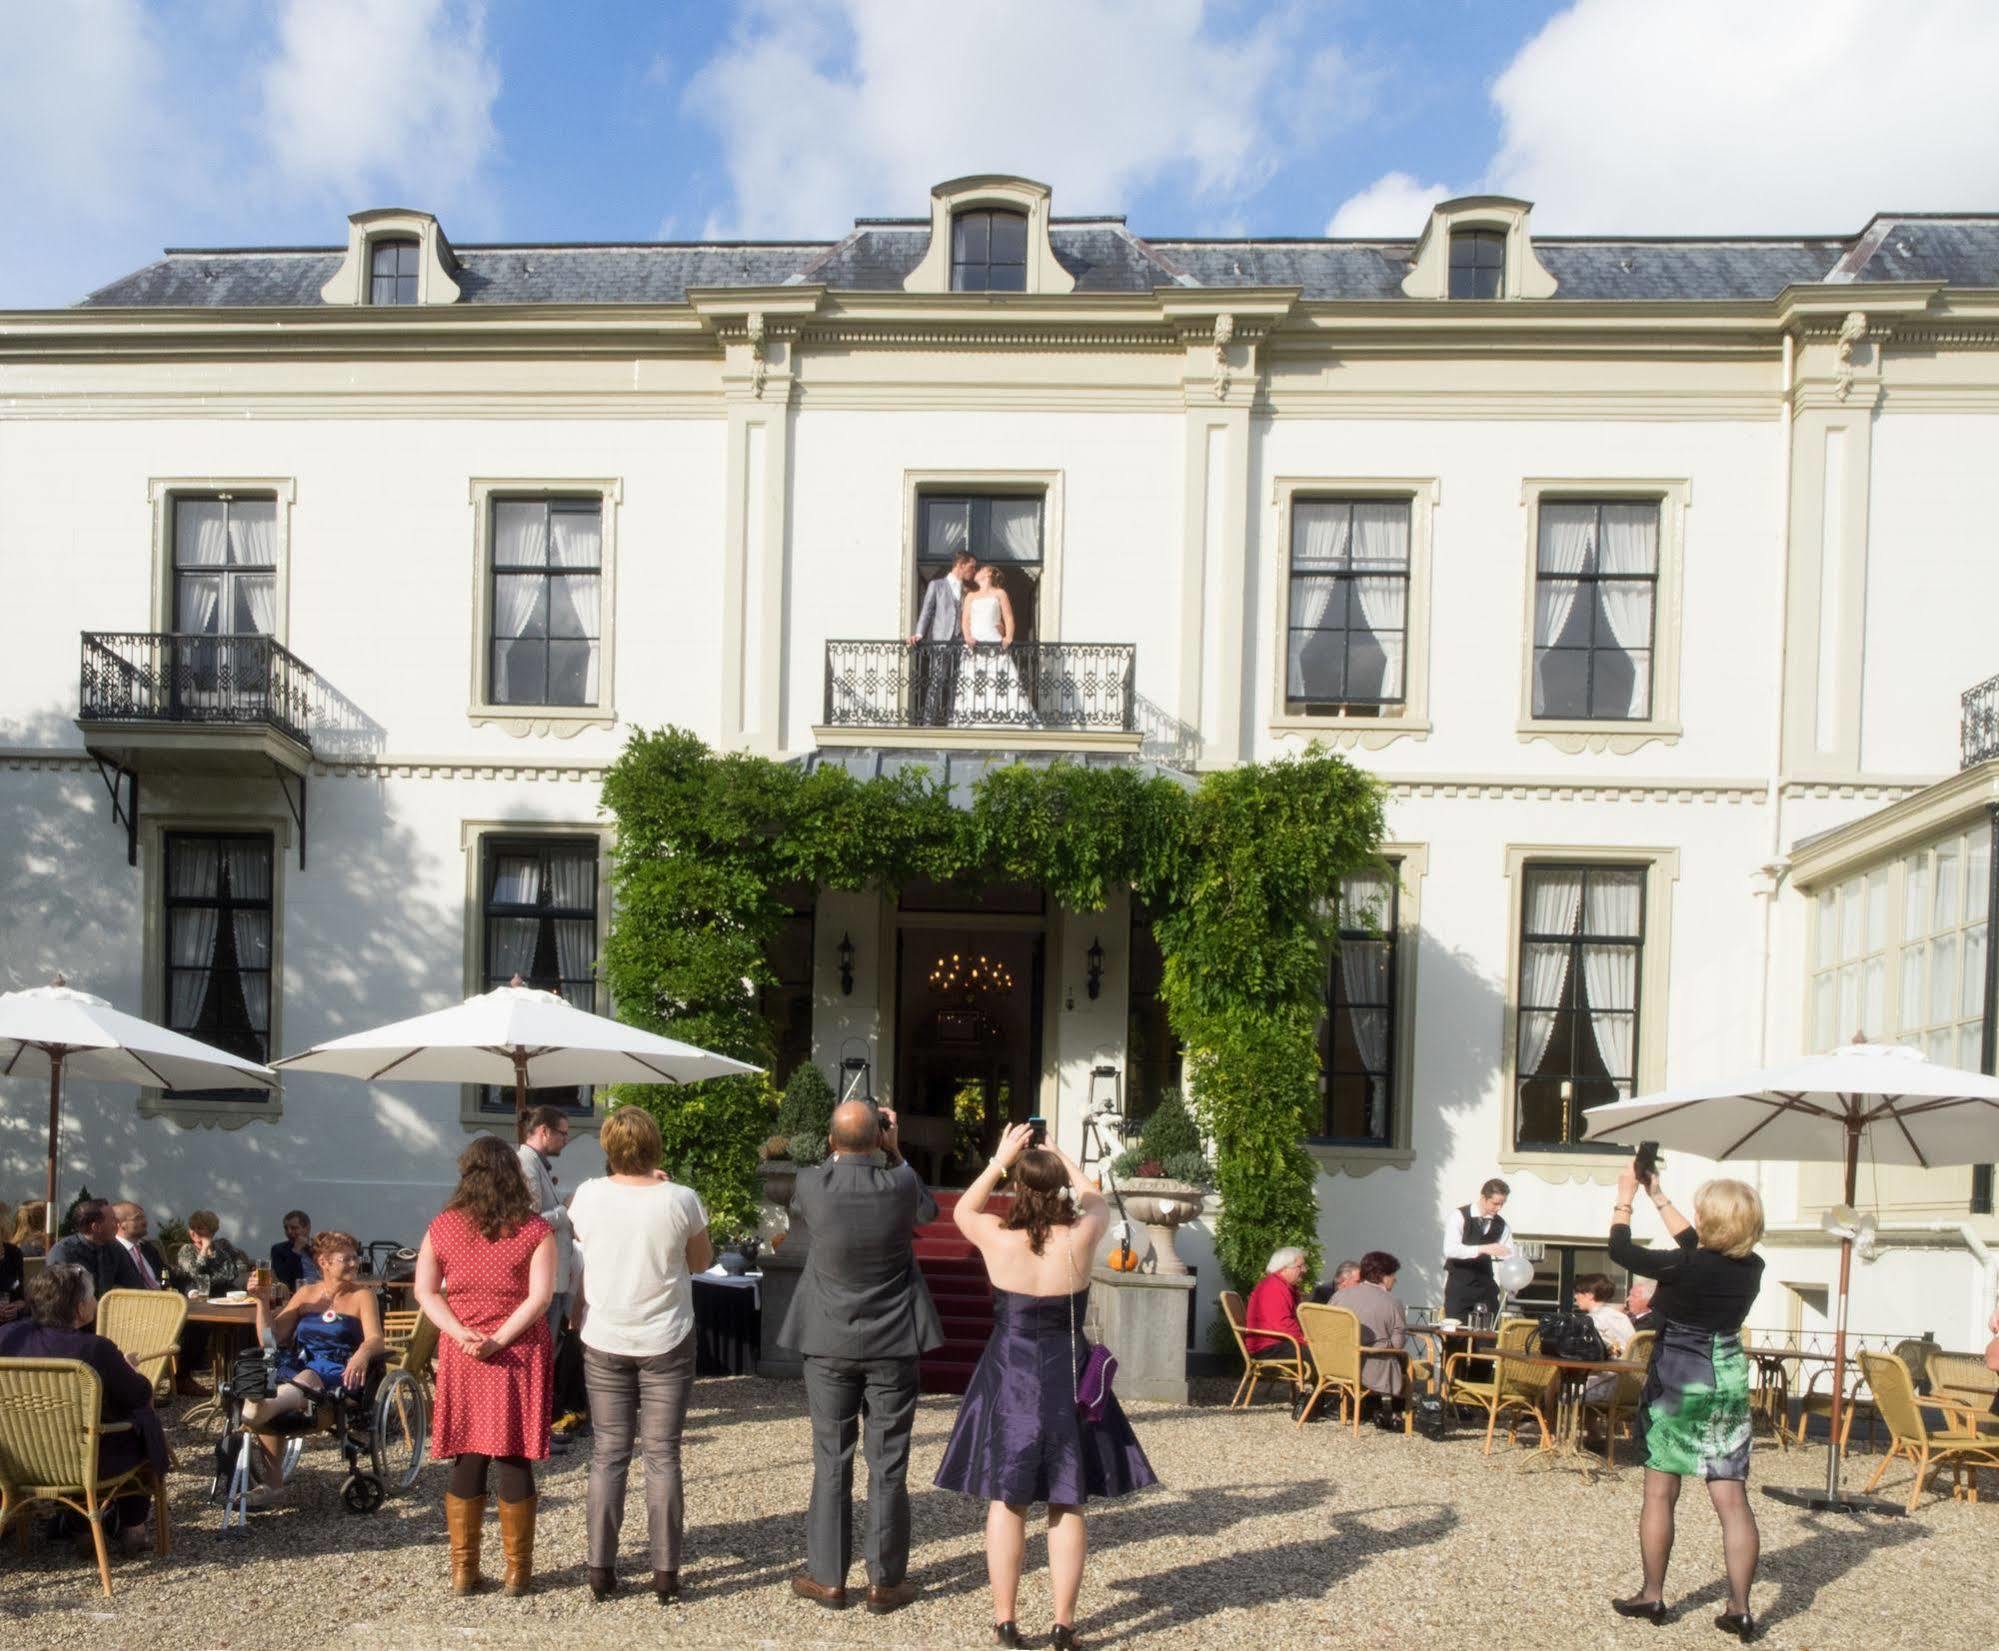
(401, 1432)
(362, 1493)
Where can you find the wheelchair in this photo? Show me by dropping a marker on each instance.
(386, 1426)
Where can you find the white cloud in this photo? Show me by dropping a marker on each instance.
(1394, 206)
(1712, 116)
(373, 94)
(831, 108)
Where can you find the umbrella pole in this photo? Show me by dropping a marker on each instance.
(1837, 1414)
(55, 1132)
(520, 1096)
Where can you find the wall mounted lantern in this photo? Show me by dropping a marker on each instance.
(846, 955)
(1096, 957)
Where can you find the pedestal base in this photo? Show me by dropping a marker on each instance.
(780, 1284)
(1142, 1318)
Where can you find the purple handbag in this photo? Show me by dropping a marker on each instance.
(1093, 1383)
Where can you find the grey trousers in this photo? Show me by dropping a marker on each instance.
(648, 1397)
(839, 1393)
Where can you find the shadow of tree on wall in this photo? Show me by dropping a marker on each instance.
(362, 943)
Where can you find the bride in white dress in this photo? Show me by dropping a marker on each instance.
(987, 685)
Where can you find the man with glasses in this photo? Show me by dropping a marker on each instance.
(546, 1134)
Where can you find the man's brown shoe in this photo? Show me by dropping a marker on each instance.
(834, 1599)
(894, 1597)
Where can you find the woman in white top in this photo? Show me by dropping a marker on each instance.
(640, 1239)
(1596, 1295)
(987, 614)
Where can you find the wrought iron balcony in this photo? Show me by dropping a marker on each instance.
(1978, 723)
(151, 677)
(1083, 686)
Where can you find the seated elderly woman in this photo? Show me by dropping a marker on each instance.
(330, 1331)
(1273, 1305)
(62, 1306)
(1382, 1324)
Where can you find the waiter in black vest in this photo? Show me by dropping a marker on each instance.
(1473, 1235)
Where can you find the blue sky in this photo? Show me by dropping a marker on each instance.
(134, 124)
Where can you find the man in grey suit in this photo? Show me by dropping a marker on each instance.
(934, 669)
(861, 1317)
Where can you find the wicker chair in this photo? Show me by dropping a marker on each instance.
(1290, 1366)
(50, 1430)
(1965, 1379)
(144, 1325)
(1332, 1335)
(1859, 1405)
(1622, 1400)
(397, 1328)
(1511, 1387)
(1961, 1445)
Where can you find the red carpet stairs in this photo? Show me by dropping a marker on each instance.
(957, 1280)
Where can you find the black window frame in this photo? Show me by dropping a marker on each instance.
(1024, 581)
(226, 572)
(1334, 996)
(256, 1045)
(1483, 267)
(975, 273)
(1345, 605)
(1574, 1009)
(1592, 583)
(578, 1100)
(577, 504)
(397, 286)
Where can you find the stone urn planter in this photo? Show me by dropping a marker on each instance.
(1162, 1206)
(780, 1178)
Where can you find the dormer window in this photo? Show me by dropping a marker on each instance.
(989, 251)
(1478, 263)
(392, 271)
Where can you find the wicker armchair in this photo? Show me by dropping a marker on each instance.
(1274, 1361)
(1964, 1379)
(1621, 1402)
(1960, 1446)
(1332, 1334)
(144, 1325)
(1510, 1387)
(50, 1430)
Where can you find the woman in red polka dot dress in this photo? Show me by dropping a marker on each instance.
(484, 1277)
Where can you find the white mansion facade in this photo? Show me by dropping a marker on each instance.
(1646, 574)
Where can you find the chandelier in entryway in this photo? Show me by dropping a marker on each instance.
(956, 972)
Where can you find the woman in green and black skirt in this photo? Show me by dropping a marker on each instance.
(1693, 1416)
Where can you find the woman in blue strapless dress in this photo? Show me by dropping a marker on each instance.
(1018, 1439)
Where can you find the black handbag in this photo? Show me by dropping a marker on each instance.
(1570, 1336)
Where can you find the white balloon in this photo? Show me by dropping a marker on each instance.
(1513, 1273)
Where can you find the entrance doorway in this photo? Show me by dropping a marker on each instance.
(968, 1042)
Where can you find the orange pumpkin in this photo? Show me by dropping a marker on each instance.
(1123, 1259)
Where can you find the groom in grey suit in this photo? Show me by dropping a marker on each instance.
(861, 1317)
(934, 670)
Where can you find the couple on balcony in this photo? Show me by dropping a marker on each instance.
(964, 610)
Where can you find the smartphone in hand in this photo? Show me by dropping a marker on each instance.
(1037, 1127)
(1646, 1165)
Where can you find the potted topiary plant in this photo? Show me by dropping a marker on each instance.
(799, 1141)
(1166, 1178)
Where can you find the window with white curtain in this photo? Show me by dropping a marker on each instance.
(540, 923)
(392, 271)
(1596, 586)
(547, 625)
(1357, 1053)
(1582, 943)
(1347, 625)
(218, 912)
(1855, 941)
(225, 565)
(1002, 529)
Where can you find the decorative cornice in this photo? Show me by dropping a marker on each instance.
(1617, 741)
(1363, 734)
(520, 727)
(1914, 816)
(1487, 786)
(986, 335)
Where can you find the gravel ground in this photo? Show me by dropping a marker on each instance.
(1260, 1534)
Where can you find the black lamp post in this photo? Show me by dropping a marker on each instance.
(1096, 977)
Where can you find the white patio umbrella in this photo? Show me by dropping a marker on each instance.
(47, 1031)
(1823, 1108)
(519, 1035)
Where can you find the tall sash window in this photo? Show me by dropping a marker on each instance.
(540, 915)
(1595, 591)
(1357, 1037)
(1348, 628)
(547, 624)
(1582, 942)
(218, 943)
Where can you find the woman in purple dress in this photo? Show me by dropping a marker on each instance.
(1019, 1438)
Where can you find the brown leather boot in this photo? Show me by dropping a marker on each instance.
(517, 1542)
(463, 1517)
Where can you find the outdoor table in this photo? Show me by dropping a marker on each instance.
(728, 1323)
(1774, 1385)
(1463, 1339)
(230, 1325)
(1572, 1379)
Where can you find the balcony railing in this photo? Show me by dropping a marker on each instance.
(1085, 686)
(1978, 723)
(150, 676)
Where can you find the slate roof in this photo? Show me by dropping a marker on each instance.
(1105, 257)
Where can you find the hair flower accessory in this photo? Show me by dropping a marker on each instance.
(1069, 1195)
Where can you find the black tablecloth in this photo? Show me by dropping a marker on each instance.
(728, 1328)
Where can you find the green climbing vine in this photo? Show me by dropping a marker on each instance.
(1237, 872)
